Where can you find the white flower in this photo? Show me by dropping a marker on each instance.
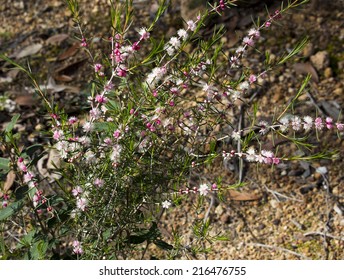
(244, 85)
(234, 95)
(240, 50)
(81, 203)
(267, 154)
(191, 25)
(296, 123)
(264, 127)
(95, 113)
(182, 34)
(90, 157)
(251, 154)
(10, 105)
(236, 135)
(308, 122)
(203, 189)
(174, 41)
(206, 88)
(116, 152)
(254, 32)
(166, 204)
(84, 140)
(284, 124)
(88, 127)
(170, 50)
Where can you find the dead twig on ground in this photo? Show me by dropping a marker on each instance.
(278, 249)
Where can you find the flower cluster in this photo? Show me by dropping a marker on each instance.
(250, 155)
(307, 123)
(77, 248)
(203, 189)
(5, 200)
(29, 177)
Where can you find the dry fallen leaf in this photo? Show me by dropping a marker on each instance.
(47, 165)
(242, 196)
(25, 100)
(29, 50)
(69, 52)
(9, 180)
(57, 39)
(63, 78)
(306, 68)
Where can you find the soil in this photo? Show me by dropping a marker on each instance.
(290, 212)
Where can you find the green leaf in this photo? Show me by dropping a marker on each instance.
(38, 250)
(11, 209)
(102, 127)
(4, 165)
(11, 125)
(26, 240)
(163, 245)
(30, 151)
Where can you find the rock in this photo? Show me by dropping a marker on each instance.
(226, 219)
(328, 72)
(274, 203)
(308, 50)
(341, 222)
(320, 60)
(338, 91)
(189, 9)
(219, 210)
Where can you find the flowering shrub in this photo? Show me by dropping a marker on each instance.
(157, 111)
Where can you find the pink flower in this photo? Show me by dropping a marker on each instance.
(22, 166)
(136, 46)
(122, 71)
(117, 133)
(252, 78)
(99, 182)
(83, 42)
(72, 120)
(108, 86)
(101, 99)
(329, 123)
(81, 203)
(248, 41)
(77, 248)
(318, 123)
(57, 134)
(144, 34)
(108, 141)
(28, 177)
(77, 191)
(340, 126)
(97, 67)
(254, 33)
(95, 113)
